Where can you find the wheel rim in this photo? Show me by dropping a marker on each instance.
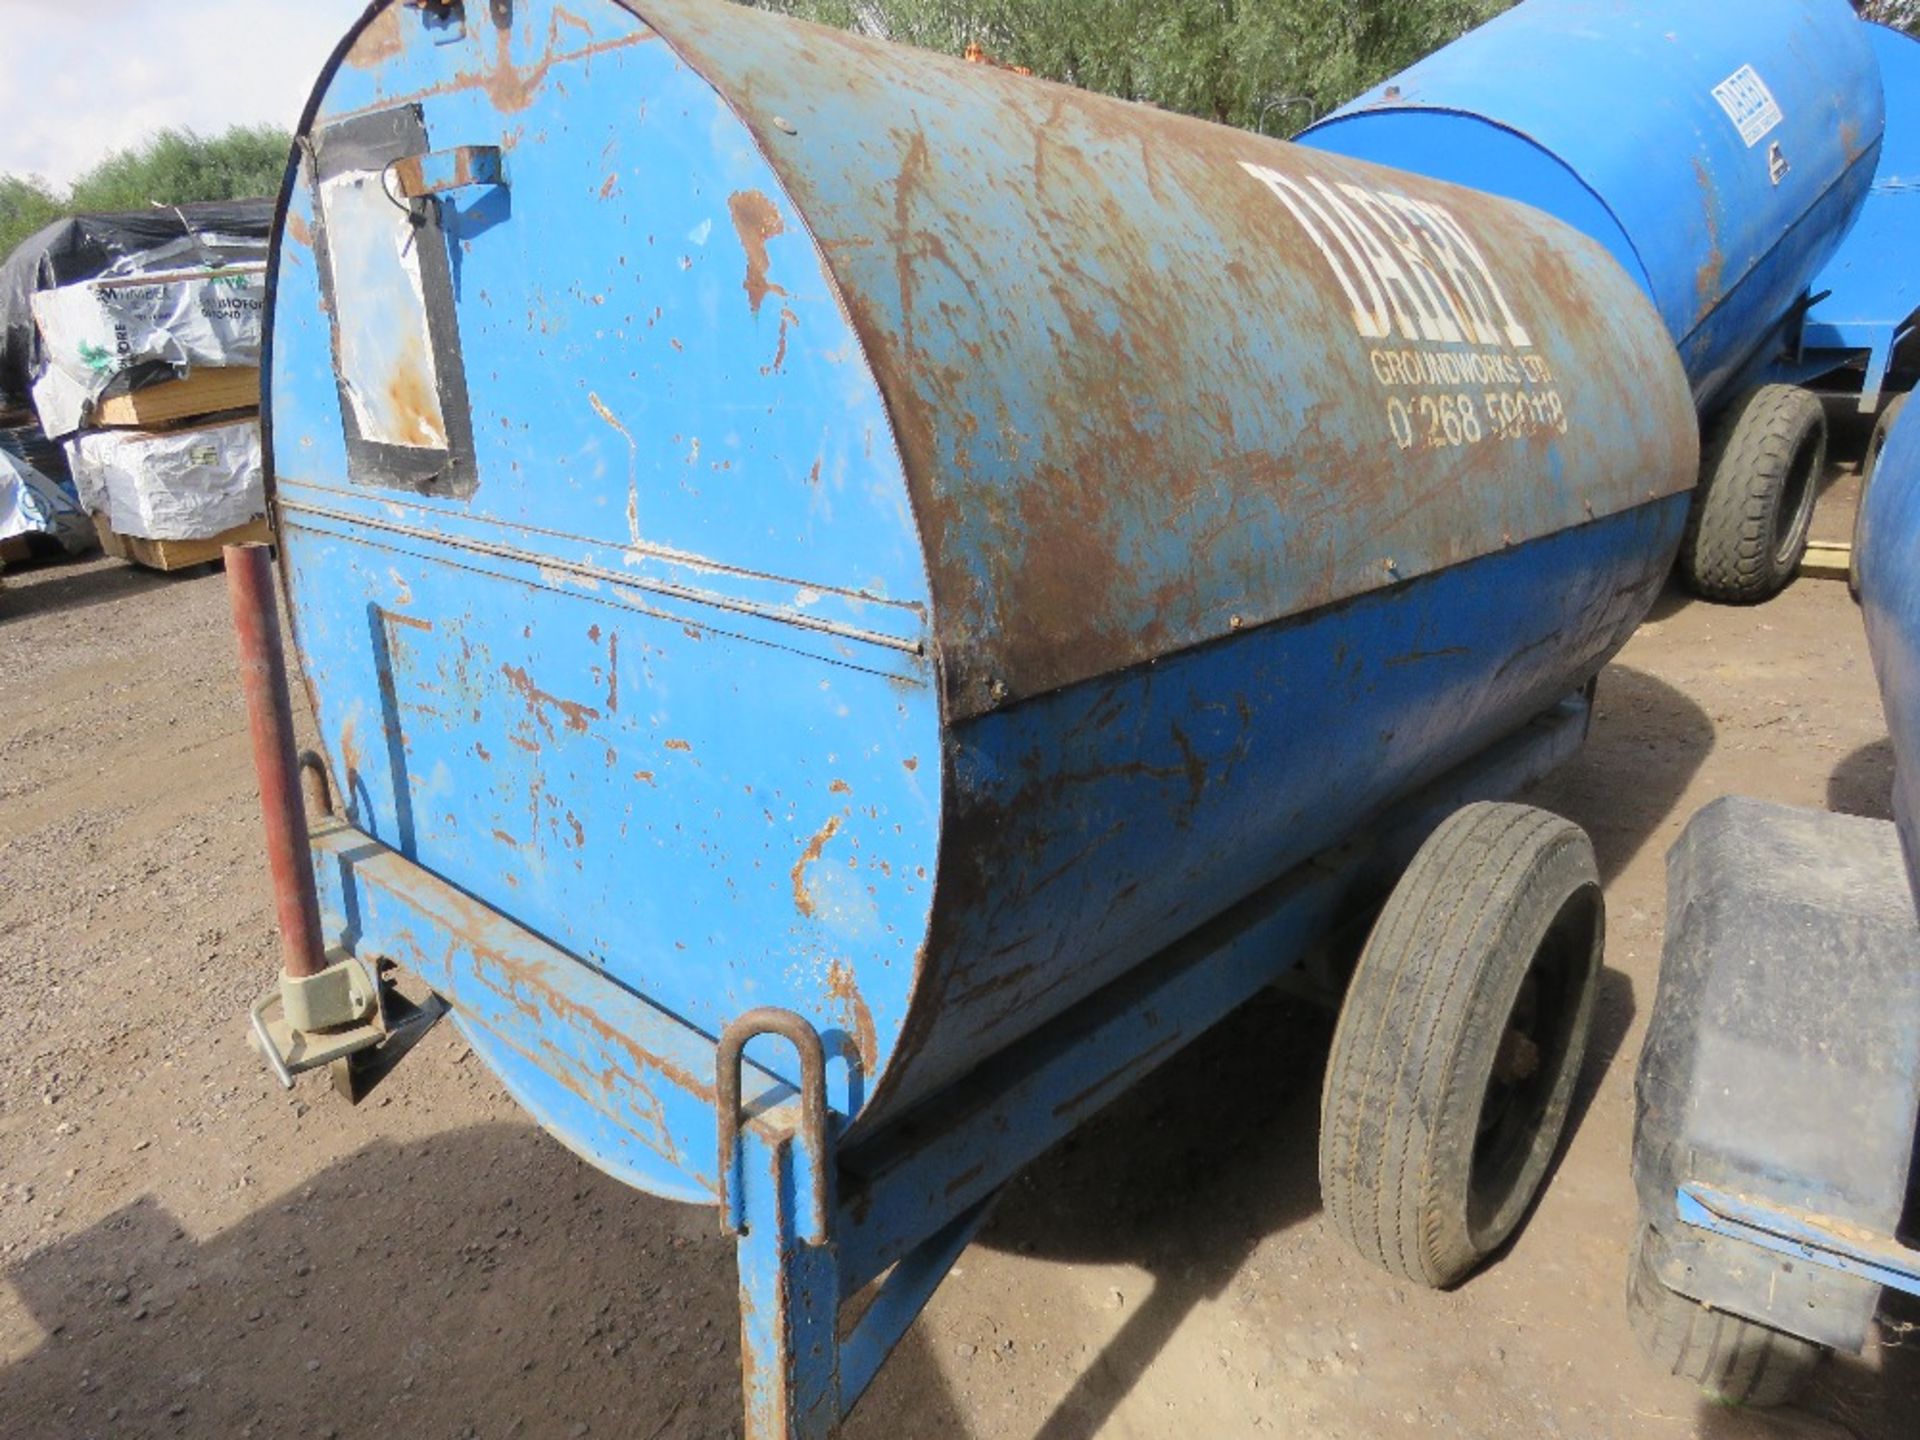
(1797, 494)
(1532, 1058)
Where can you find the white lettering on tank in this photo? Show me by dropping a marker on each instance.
(1443, 334)
(1401, 263)
(1349, 266)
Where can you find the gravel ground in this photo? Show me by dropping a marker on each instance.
(187, 1250)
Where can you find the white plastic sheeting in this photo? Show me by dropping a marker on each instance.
(171, 485)
(94, 331)
(35, 504)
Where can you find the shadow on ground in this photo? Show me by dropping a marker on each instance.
(1849, 1398)
(53, 585)
(1862, 784)
(1188, 1172)
(1647, 744)
(483, 1283)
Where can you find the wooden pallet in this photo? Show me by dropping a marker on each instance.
(178, 554)
(204, 392)
(1828, 559)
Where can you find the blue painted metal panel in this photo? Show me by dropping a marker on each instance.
(1719, 151)
(930, 538)
(1869, 293)
(1888, 537)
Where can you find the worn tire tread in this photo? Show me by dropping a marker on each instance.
(1728, 552)
(1733, 1360)
(1421, 976)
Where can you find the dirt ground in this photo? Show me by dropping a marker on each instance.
(188, 1250)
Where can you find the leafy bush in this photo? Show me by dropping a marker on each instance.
(174, 167)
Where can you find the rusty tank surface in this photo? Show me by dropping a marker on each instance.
(783, 520)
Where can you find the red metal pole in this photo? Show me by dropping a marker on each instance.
(263, 675)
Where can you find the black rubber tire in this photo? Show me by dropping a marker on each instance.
(1734, 1361)
(1435, 1132)
(1882, 427)
(1760, 473)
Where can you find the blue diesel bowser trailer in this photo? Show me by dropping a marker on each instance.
(1731, 158)
(1779, 1087)
(853, 604)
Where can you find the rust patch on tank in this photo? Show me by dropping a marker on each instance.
(840, 787)
(350, 758)
(787, 320)
(298, 228)
(679, 745)
(840, 985)
(379, 42)
(512, 88)
(413, 406)
(1707, 277)
(539, 701)
(802, 901)
(756, 220)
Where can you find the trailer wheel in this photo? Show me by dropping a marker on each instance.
(1759, 475)
(1734, 1361)
(1461, 1037)
(1882, 427)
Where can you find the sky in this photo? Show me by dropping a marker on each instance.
(82, 78)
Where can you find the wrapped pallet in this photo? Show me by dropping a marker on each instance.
(172, 497)
(148, 346)
(208, 238)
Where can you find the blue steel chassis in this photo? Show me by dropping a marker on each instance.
(1801, 1235)
(817, 1226)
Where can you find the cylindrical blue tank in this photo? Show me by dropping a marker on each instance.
(1719, 151)
(1889, 569)
(793, 520)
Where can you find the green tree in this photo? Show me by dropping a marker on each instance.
(1901, 14)
(1267, 65)
(174, 167)
(25, 205)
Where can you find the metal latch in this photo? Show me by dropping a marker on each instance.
(438, 171)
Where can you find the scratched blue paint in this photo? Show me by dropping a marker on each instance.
(1603, 113)
(935, 539)
(1867, 295)
(582, 745)
(1889, 563)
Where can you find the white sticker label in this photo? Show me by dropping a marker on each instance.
(1749, 104)
(1455, 363)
